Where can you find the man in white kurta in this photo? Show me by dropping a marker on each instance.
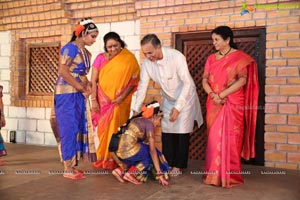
(180, 104)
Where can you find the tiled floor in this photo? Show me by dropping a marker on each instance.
(33, 172)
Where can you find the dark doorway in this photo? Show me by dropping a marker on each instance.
(197, 46)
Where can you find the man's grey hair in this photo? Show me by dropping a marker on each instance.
(151, 38)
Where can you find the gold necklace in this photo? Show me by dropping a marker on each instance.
(225, 53)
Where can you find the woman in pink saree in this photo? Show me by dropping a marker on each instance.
(231, 82)
(115, 77)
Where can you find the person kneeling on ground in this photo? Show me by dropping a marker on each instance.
(134, 148)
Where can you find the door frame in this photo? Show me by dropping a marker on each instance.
(260, 48)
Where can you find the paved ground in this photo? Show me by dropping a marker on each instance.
(32, 172)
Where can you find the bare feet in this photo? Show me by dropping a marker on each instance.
(78, 171)
(118, 174)
(175, 172)
(2, 163)
(73, 174)
(131, 179)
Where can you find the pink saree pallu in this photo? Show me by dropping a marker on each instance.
(230, 127)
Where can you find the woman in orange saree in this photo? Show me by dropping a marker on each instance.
(231, 82)
(115, 77)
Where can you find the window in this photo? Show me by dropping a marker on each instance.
(41, 70)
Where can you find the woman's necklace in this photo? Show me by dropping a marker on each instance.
(224, 54)
(84, 54)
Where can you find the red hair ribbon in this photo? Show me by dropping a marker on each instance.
(79, 28)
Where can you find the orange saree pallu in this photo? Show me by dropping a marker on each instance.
(230, 127)
(119, 73)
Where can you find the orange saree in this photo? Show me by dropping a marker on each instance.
(115, 76)
(230, 127)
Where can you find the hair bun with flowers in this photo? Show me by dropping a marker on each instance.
(78, 29)
(85, 24)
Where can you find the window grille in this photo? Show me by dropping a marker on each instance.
(42, 68)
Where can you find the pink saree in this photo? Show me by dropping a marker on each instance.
(230, 127)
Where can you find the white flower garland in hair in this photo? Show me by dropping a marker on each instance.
(84, 22)
(154, 105)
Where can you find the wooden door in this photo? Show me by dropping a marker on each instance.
(197, 46)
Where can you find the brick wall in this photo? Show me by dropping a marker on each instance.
(25, 22)
(51, 20)
(282, 119)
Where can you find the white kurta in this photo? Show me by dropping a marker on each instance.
(177, 89)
